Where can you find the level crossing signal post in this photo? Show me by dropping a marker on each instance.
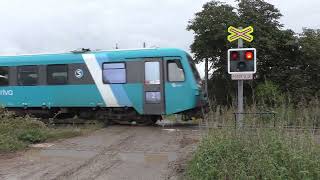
(241, 63)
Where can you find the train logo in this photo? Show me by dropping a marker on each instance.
(6, 92)
(79, 73)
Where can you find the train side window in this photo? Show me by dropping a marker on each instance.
(57, 74)
(28, 75)
(4, 76)
(114, 73)
(153, 97)
(152, 73)
(175, 71)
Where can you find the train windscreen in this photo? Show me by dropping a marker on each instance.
(194, 69)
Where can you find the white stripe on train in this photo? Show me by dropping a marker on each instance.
(96, 73)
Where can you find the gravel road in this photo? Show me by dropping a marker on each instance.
(112, 153)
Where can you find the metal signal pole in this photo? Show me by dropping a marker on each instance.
(240, 93)
(243, 72)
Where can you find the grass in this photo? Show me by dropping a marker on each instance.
(306, 115)
(18, 133)
(286, 146)
(69, 132)
(259, 154)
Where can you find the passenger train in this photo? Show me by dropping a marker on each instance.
(122, 86)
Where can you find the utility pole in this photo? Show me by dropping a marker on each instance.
(144, 45)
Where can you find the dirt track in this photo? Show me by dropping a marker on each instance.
(116, 152)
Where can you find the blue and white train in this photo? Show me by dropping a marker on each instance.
(120, 85)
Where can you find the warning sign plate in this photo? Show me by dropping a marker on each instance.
(242, 76)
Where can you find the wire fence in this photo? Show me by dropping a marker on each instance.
(253, 120)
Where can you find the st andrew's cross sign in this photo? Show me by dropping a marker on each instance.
(244, 34)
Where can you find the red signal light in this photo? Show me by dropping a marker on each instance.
(249, 55)
(234, 56)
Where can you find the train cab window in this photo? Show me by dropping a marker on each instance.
(175, 71)
(57, 74)
(4, 76)
(114, 73)
(194, 68)
(152, 73)
(28, 75)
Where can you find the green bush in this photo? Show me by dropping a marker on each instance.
(269, 95)
(10, 144)
(266, 154)
(15, 125)
(33, 135)
(17, 133)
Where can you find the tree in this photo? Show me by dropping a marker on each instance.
(210, 42)
(306, 78)
(279, 52)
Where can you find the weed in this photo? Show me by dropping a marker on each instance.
(17, 133)
(10, 143)
(33, 135)
(260, 154)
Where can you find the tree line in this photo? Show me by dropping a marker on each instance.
(287, 60)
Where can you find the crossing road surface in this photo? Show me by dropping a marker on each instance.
(115, 152)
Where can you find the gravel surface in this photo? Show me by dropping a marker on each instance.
(115, 152)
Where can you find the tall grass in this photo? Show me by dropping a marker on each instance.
(279, 146)
(282, 114)
(267, 98)
(255, 154)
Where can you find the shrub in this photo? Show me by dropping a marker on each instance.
(10, 144)
(17, 132)
(33, 135)
(268, 94)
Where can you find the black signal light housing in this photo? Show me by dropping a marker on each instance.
(242, 61)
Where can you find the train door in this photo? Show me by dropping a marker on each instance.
(153, 103)
(178, 94)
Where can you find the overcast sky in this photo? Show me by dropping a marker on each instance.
(61, 25)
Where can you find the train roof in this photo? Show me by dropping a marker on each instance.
(76, 56)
